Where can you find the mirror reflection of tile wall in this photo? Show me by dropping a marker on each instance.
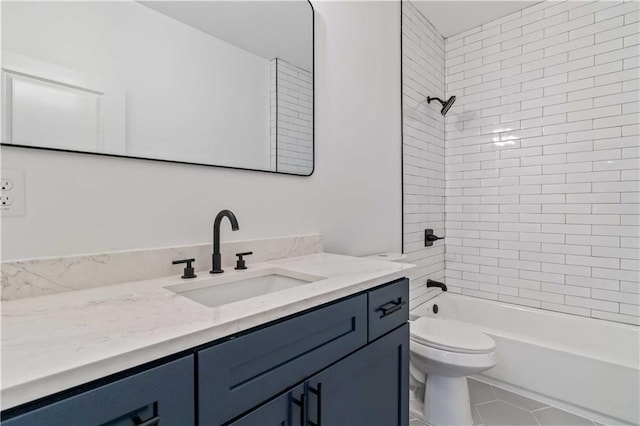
(291, 118)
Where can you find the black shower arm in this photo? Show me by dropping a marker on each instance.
(429, 99)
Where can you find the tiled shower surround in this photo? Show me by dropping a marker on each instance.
(542, 159)
(423, 148)
(291, 130)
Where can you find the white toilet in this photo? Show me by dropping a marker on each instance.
(445, 352)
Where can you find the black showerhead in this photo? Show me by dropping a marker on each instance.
(445, 105)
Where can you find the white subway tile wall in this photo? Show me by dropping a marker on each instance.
(542, 157)
(423, 148)
(291, 132)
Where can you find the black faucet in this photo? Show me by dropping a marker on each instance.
(432, 283)
(216, 259)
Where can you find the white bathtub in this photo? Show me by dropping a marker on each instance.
(584, 365)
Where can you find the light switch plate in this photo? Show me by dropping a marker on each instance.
(12, 196)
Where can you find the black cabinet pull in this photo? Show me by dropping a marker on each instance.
(391, 307)
(153, 421)
(300, 403)
(318, 392)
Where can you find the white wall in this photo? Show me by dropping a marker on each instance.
(542, 157)
(423, 128)
(180, 102)
(85, 204)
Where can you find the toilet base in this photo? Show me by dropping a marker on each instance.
(446, 401)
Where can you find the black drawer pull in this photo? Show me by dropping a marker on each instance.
(153, 421)
(391, 307)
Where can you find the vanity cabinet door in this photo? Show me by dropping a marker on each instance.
(162, 396)
(368, 388)
(285, 410)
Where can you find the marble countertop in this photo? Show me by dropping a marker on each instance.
(52, 343)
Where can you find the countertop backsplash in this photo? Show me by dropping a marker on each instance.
(38, 277)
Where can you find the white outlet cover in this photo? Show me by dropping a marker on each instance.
(6, 184)
(16, 193)
(6, 200)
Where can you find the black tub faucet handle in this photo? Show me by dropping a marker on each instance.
(430, 237)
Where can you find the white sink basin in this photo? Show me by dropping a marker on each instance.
(219, 290)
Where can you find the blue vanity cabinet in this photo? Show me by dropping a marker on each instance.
(368, 388)
(161, 395)
(352, 357)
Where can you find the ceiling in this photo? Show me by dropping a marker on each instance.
(453, 16)
(270, 29)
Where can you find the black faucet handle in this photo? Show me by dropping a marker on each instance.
(240, 264)
(430, 237)
(189, 271)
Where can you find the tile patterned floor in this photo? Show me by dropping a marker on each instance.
(492, 406)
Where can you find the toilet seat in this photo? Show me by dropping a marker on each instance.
(451, 336)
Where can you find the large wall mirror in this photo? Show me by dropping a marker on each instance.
(222, 83)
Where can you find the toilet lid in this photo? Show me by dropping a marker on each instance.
(450, 335)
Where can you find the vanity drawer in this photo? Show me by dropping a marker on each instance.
(239, 374)
(388, 308)
(161, 395)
